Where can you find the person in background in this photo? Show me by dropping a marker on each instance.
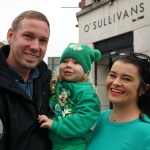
(74, 101)
(24, 83)
(127, 125)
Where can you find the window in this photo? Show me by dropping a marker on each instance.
(97, 1)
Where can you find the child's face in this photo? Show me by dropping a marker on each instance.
(71, 70)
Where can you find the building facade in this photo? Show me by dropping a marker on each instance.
(113, 26)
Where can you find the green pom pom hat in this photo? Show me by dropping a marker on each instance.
(83, 54)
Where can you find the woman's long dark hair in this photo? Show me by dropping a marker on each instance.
(143, 66)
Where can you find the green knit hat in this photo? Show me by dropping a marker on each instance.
(83, 54)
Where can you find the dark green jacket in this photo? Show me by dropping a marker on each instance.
(19, 127)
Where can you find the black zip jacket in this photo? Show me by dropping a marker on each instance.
(19, 126)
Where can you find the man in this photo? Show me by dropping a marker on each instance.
(24, 84)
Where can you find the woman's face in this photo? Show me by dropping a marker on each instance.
(122, 83)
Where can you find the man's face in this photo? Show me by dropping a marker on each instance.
(28, 44)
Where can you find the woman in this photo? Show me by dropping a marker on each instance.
(127, 125)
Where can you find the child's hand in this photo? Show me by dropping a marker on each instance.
(45, 121)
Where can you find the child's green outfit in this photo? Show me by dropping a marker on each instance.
(76, 108)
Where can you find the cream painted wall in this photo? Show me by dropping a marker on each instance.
(92, 72)
(120, 8)
(140, 28)
(142, 40)
(102, 72)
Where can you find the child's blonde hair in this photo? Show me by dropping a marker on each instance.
(56, 78)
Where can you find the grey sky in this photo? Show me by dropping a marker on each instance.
(62, 20)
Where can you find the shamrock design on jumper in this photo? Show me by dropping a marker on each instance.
(63, 98)
(60, 107)
(76, 47)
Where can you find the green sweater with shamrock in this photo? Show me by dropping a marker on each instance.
(75, 109)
